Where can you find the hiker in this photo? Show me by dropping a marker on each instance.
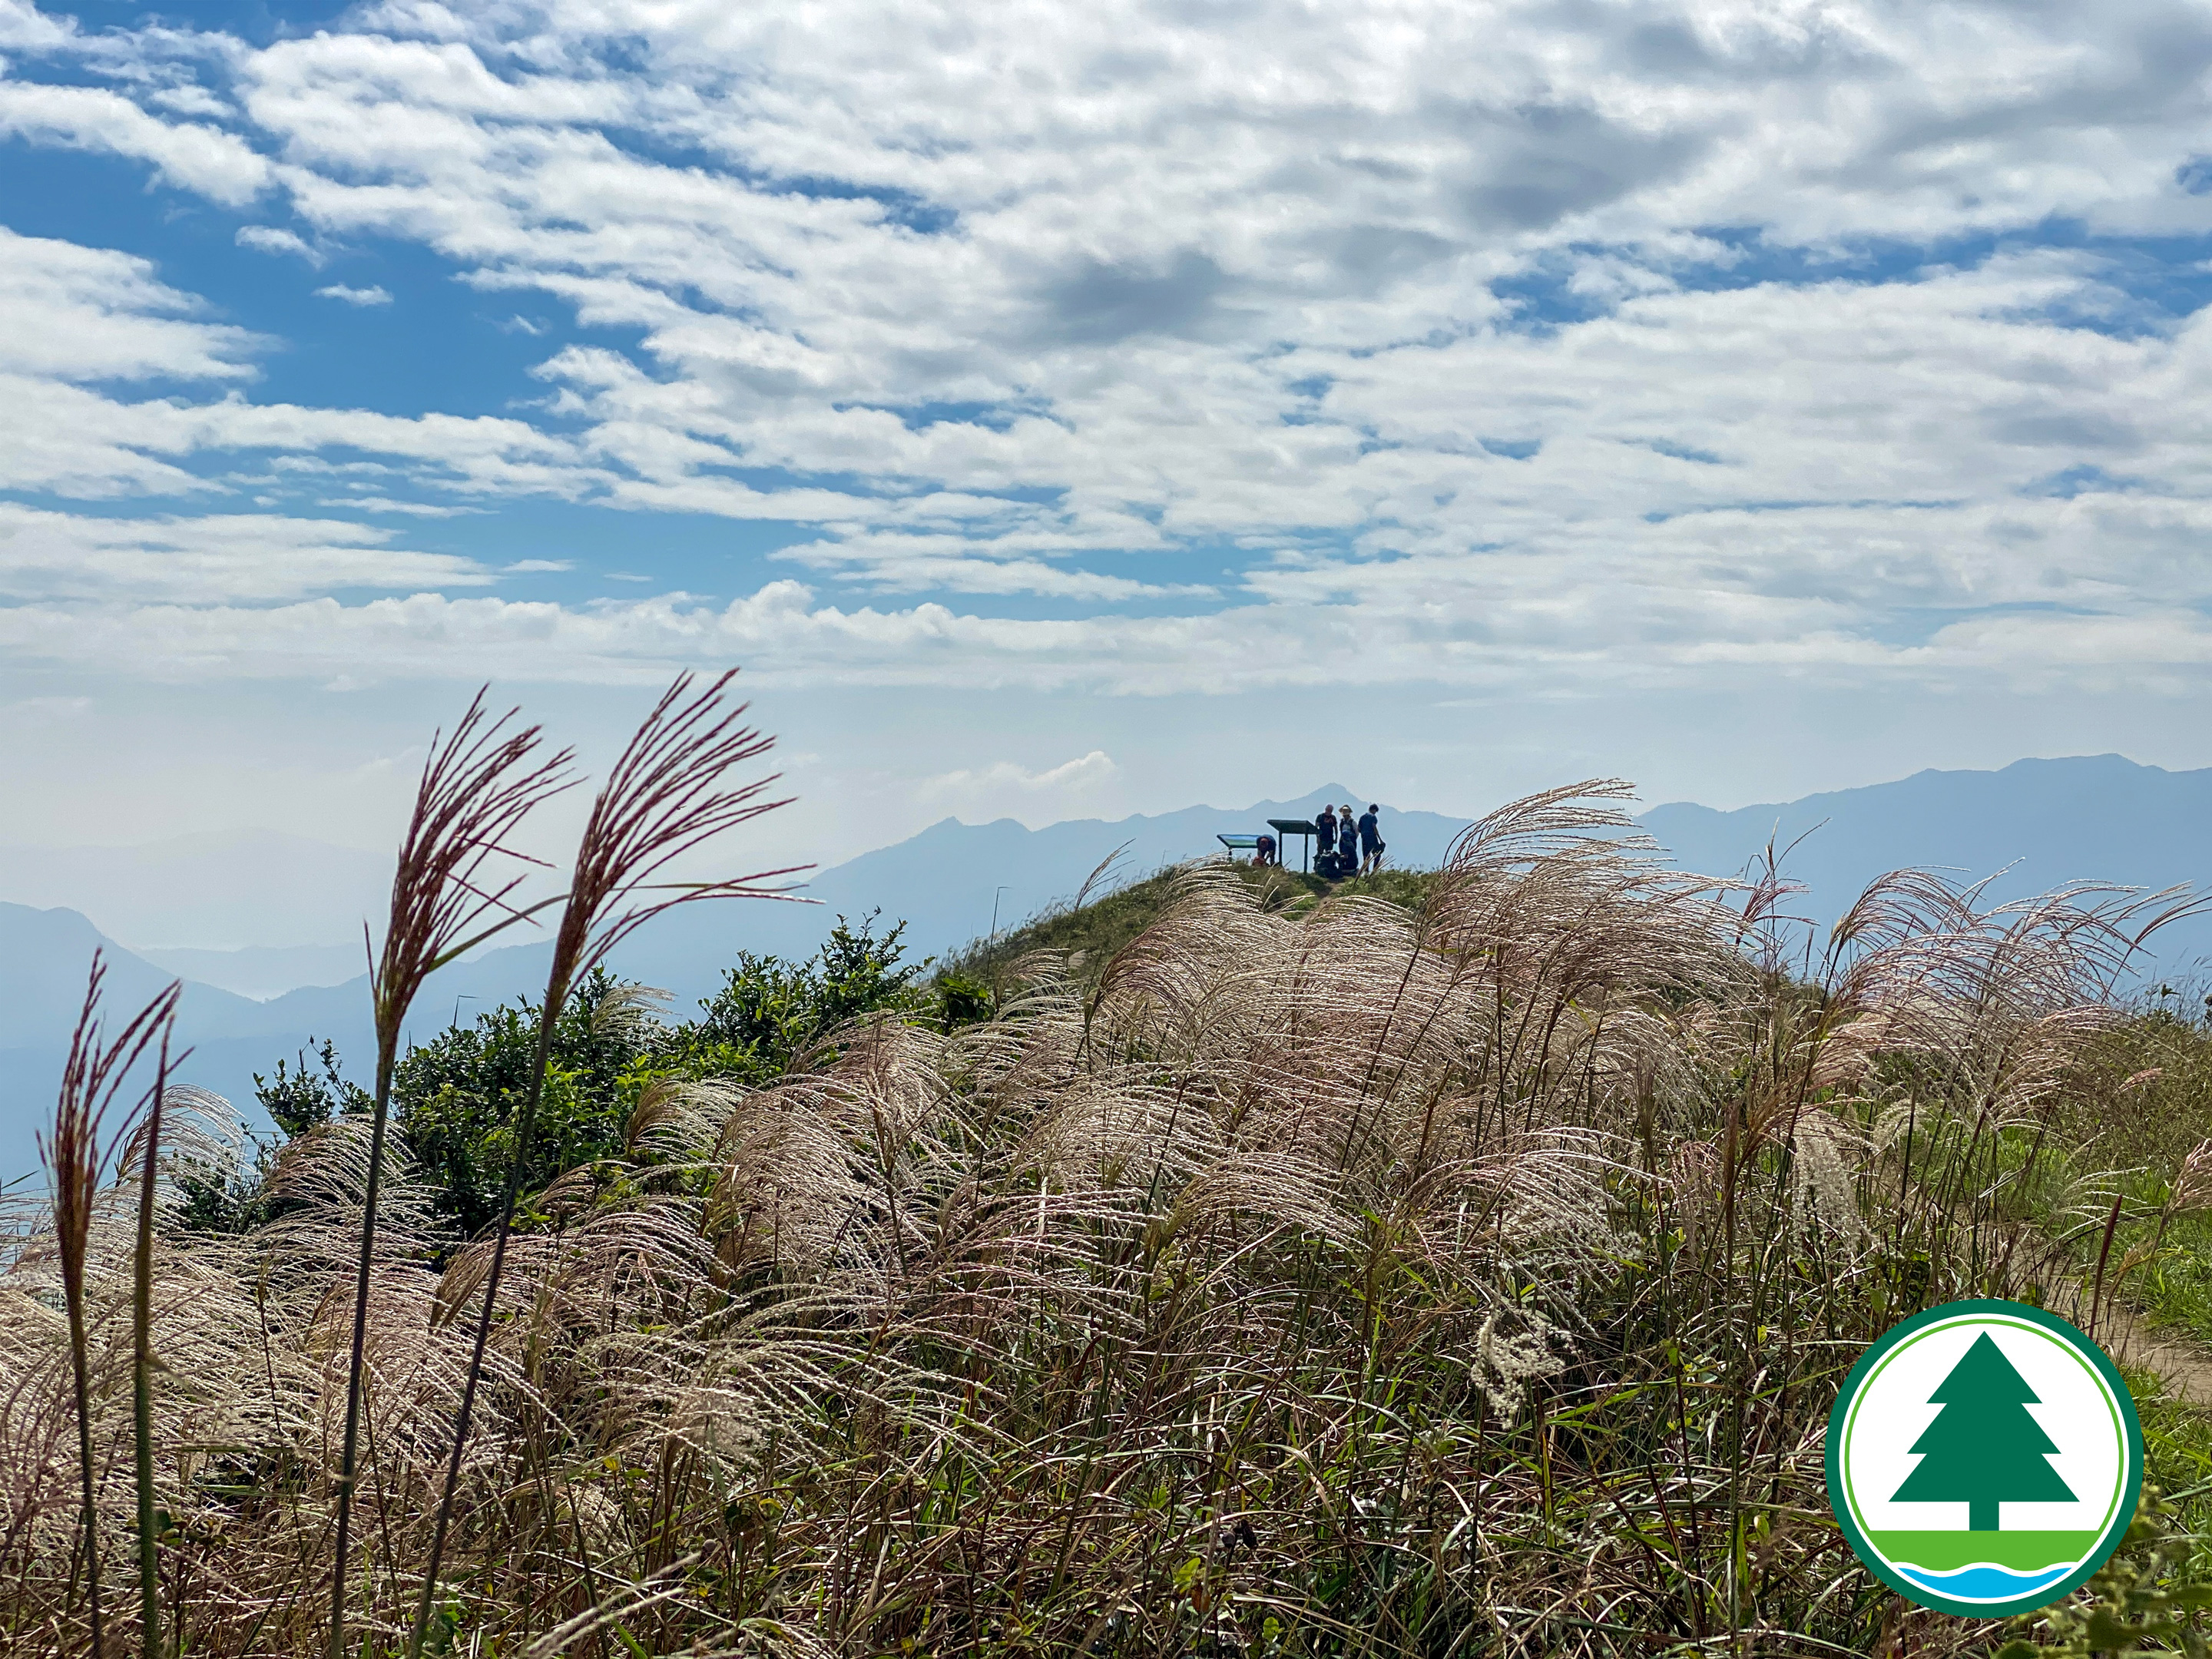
(1325, 839)
(1371, 839)
(1263, 851)
(1347, 841)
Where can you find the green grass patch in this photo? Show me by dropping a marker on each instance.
(1947, 1551)
(1096, 930)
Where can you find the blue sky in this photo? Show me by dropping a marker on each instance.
(1066, 411)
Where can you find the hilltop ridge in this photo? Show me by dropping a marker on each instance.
(2032, 825)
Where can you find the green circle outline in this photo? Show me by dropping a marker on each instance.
(1908, 1339)
(2115, 1524)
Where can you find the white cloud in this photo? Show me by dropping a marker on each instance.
(1036, 796)
(24, 26)
(373, 295)
(273, 238)
(68, 441)
(1418, 315)
(1096, 767)
(77, 441)
(922, 562)
(386, 504)
(215, 559)
(1531, 645)
(82, 314)
(190, 155)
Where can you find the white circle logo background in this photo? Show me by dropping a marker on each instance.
(2028, 1405)
(2074, 1407)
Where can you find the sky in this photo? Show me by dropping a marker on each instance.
(1063, 410)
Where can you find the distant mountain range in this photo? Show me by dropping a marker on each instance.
(2034, 826)
(2052, 821)
(954, 882)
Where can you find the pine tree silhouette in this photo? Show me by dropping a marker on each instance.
(1983, 1449)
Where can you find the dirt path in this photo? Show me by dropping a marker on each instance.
(2182, 1365)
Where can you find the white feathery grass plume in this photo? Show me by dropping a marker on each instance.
(1272, 1228)
(1826, 1159)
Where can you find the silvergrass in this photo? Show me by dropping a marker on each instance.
(1469, 1281)
(142, 1357)
(664, 797)
(454, 873)
(91, 1077)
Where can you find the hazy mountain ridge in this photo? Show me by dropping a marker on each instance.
(944, 881)
(2099, 818)
(211, 890)
(941, 882)
(264, 971)
(2032, 827)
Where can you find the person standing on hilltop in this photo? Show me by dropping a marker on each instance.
(1325, 838)
(1371, 839)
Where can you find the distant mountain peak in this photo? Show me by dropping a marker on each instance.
(2034, 825)
(2064, 767)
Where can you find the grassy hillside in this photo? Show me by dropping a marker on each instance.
(1459, 1265)
(1090, 933)
(2122, 1169)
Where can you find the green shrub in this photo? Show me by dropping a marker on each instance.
(770, 1012)
(298, 1099)
(454, 1096)
(2142, 1602)
(453, 1099)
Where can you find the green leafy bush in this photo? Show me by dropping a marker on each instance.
(769, 1014)
(2142, 1602)
(298, 1099)
(454, 1096)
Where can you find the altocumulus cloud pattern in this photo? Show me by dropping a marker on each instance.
(1113, 346)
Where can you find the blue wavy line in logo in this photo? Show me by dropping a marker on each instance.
(1984, 1582)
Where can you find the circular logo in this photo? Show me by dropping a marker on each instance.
(1983, 1458)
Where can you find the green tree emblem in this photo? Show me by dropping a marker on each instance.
(1983, 1449)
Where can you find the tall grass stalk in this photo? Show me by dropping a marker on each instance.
(455, 872)
(664, 797)
(141, 1358)
(91, 1078)
(1468, 1279)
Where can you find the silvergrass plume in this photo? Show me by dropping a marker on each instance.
(664, 798)
(1465, 1269)
(91, 1077)
(450, 892)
